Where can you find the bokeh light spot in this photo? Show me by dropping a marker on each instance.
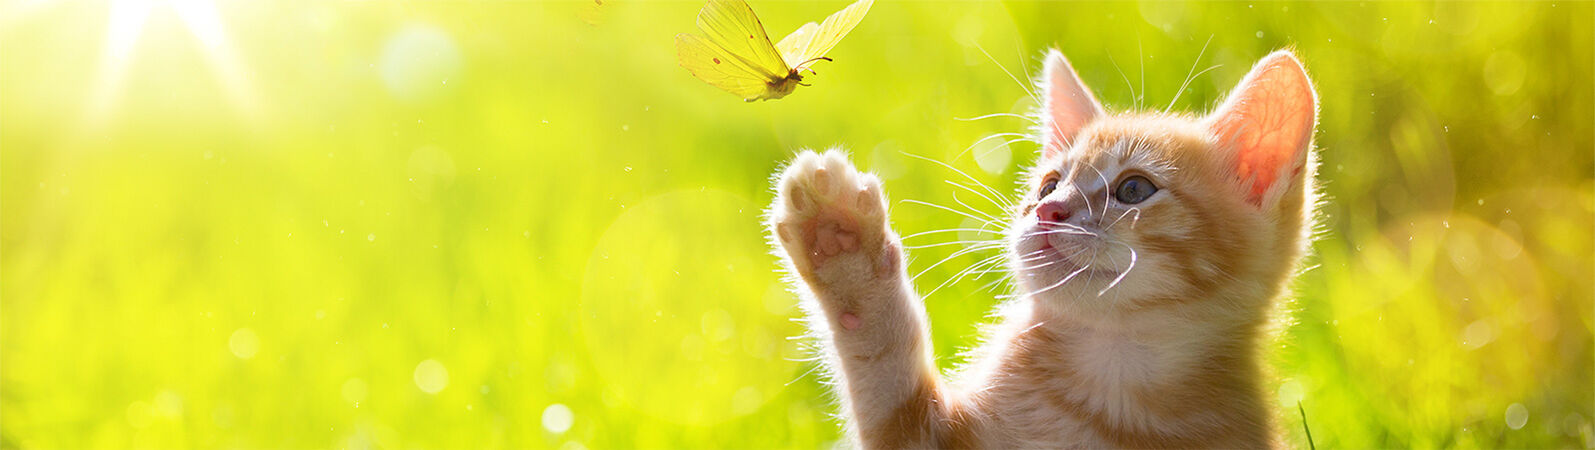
(992, 154)
(1478, 333)
(430, 169)
(967, 228)
(168, 404)
(1504, 72)
(747, 400)
(557, 418)
(718, 325)
(431, 376)
(886, 160)
(244, 343)
(354, 391)
(1290, 392)
(1517, 416)
(780, 301)
(417, 61)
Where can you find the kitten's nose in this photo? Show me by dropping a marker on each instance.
(1052, 213)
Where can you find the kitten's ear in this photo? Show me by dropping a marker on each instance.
(1068, 107)
(1266, 124)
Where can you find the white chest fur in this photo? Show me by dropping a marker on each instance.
(1100, 376)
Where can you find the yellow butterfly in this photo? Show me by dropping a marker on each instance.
(739, 58)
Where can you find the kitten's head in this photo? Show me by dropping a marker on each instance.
(1132, 211)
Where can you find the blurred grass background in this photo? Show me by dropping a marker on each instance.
(521, 224)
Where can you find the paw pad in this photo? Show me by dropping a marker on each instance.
(828, 208)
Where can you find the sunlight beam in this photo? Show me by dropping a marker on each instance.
(126, 23)
(205, 23)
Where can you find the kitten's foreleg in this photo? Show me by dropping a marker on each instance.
(831, 220)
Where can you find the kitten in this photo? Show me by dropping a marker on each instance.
(1147, 251)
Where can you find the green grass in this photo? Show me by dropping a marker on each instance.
(1307, 430)
(257, 244)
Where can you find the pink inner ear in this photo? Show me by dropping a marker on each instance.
(1268, 123)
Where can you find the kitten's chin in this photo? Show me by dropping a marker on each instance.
(1049, 272)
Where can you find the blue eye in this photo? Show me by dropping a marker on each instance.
(1134, 190)
(1047, 188)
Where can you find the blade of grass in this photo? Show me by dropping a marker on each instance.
(1304, 427)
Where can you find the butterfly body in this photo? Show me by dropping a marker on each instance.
(736, 55)
(780, 88)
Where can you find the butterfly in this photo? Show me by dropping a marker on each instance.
(737, 55)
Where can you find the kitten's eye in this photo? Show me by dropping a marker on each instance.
(1134, 190)
(1047, 188)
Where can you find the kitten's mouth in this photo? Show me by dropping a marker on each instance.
(1061, 255)
(1051, 257)
(1059, 260)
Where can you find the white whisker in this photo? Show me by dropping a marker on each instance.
(1105, 189)
(1188, 75)
(961, 274)
(1133, 95)
(1067, 226)
(989, 216)
(1000, 280)
(1005, 206)
(994, 115)
(954, 211)
(1015, 79)
(1048, 263)
(955, 170)
(1032, 256)
(1140, 52)
(1127, 212)
(984, 139)
(951, 230)
(1061, 282)
(1133, 257)
(960, 252)
(991, 244)
(806, 372)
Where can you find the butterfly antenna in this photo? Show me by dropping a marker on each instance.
(804, 64)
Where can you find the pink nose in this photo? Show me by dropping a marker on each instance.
(1052, 212)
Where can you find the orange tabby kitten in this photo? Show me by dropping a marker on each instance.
(1147, 252)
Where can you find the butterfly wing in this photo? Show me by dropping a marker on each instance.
(794, 45)
(809, 43)
(731, 25)
(720, 68)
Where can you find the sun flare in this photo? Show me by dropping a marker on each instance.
(126, 20)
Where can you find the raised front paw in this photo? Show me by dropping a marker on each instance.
(831, 219)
